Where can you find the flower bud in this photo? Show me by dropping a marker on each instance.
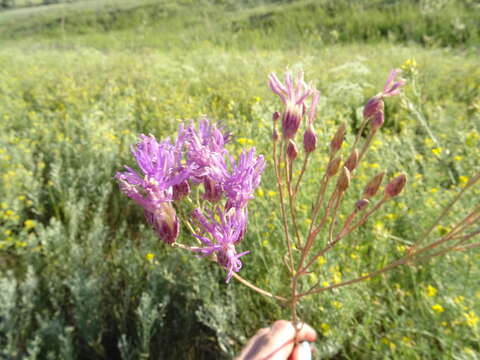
(292, 151)
(337, 140)
(378, 120)
(361, 204)
(395, 186)
(309, 139)
(276, 115)
(374, 105)
(372, 187)
(343, 180)
(352, 161)
(165, 222)
(275, 135)
(333, 166)
(181, 190)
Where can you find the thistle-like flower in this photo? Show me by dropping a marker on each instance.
(244, 178)
(154, 191)
(293, 96)
(221, 233)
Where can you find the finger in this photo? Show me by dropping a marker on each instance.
(301, 351)
(306, 333)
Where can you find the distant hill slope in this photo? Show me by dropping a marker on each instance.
(231, 23)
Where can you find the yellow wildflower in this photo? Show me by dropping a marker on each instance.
(149, 257)
(438, 308)
(431, 291)
(471, 318)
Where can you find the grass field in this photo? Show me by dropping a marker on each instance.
(84, 277)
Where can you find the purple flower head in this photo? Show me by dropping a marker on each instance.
(244, 178)
(392, 87)
(154, 190)
(293, 96)
(206, 157)
(224, 231)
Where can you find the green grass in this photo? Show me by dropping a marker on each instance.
(76, 283)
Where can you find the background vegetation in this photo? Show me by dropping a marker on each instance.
(83, 277)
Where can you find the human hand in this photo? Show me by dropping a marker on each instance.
(279, 343)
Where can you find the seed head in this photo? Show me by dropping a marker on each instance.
(372, 187)
(395, 186)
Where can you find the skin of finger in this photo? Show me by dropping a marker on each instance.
(285, 330)
(258, 340)
(297, 353)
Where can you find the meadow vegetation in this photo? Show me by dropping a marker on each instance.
(83, 276)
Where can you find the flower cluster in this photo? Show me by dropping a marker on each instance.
(198, 157)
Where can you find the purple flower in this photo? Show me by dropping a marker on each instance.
(224, 230)
(161, 172)
(392, 87)
(244, 178)
(293, 96)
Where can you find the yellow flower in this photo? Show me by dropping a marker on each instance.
(431, 291)
(321, 260)
(437, 151)
(471, 318)
(325, 329)
(438, 308)
(458, 299)
(272, 193)
(260, 192)
(29, 224)
(337, 304)
(149, 257)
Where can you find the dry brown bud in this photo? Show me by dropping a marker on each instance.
(361, 204)
(337, 140)
(292, 151)
(372, 187)
(378, 120)
(343, 180)
(333, 166)
(352, 161)
(395, 186)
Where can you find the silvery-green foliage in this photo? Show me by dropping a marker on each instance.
(149, 314)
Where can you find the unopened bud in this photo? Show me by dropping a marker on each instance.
(165, 222)
(361, 204)
(333, 166)
(378, 120)
(343, 180)
(337, 140)
(292, 151)
(309, 139)
(213, 191)
(395, 186)
(372, 187)
(276, 115)
(373, 106)
(352, 161)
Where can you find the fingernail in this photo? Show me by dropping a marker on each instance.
(305, 351)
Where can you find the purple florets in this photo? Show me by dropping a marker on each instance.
(197, 157)
(225, 231)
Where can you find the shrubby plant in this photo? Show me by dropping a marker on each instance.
(194, 183)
